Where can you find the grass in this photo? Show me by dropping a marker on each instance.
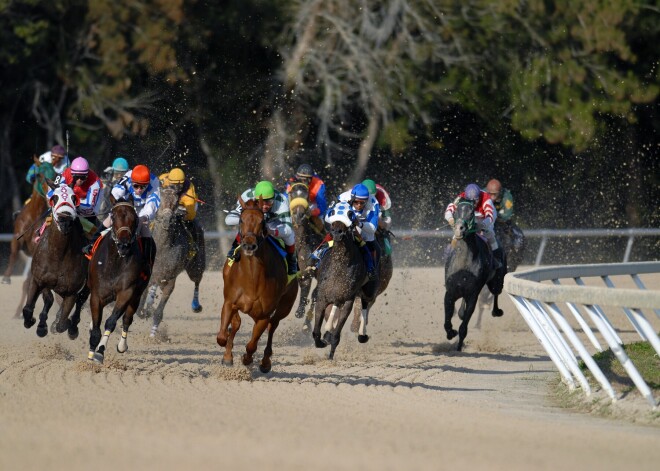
(643, 356)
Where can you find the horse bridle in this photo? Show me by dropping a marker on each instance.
(469, 223)
(132, 232)
(260, 237)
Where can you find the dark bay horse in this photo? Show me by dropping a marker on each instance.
(28, 219)
(119, 271)
(59, 265)
(308, 237)
(468, 268)
(257, 284)
(385, 270)
(342, 277)
(173, 249)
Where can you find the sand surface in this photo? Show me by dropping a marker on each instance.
(405, 400)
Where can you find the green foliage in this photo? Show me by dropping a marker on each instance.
(644, 357)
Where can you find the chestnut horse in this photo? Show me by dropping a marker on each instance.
(119, 271)
(58, 264)
(27, 220)
(257, 284)
(308, 238)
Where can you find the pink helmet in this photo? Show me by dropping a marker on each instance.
(80, 166)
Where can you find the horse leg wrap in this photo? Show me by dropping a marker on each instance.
(122, 346)
(331, 318)
(364, 320)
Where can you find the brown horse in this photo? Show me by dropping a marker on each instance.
(119, 271)
(59, 265)
(308, 238)
(257, 284)
(27, 220)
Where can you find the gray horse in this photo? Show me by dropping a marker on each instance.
(174, 256)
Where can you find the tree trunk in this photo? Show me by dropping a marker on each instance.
(364, 153)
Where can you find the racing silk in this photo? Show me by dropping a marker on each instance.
(368, 216)
(504, 207)
(484, 210)
(188, 198)
(317, 202)
(147, 204)
(278, 219)
(33, 171)
(88, 193)
(383, 198)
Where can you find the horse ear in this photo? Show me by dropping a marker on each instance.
(75, 200)
(53, 200)
(113, 200)
(241, 202)
(51, 183)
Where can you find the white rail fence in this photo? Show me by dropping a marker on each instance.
(543, 234)
(539, 304)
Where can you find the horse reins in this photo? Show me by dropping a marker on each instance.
(115, 233)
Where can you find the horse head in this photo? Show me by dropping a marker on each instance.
(252, 227)
(169, 199)
(342, 219)
(63, 203)
(124, 224)
(464, 219)
(299, 203)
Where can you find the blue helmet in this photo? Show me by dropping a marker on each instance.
(473, 192)
(360, 192)
(120, 164)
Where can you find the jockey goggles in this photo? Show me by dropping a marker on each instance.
(79, 176)
(139, 186)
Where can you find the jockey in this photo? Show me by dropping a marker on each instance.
(485, 216)
(144, 187)
(87, 187)
(116, 171)
(56, 157)
(385, 218)
(176, 179)
(317, 203)
(275, 207)
(503, 202)
(367, 210)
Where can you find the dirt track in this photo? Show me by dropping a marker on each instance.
(405, 400)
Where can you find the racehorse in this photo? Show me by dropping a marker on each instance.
(512, 240)
(342, 276)
(385, 270)
(308, 238)
(173, 249)
(469, 266)
(29, 216)
(59, 265)
(257, 284)
(119, 271)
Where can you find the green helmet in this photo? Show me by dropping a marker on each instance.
(371, 186)
(265, 189)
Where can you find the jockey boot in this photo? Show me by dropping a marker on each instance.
(234, 255)
(497, 258)
(292, 263)
(192, 245)
(369, 262)
(87, 250)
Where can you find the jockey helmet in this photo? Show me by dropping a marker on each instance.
(305, 171)
(120, 164)
(360, 192)
(58, 150)
(371, 186)
(265, 189)
(141, 175)
(79, 166)
(494, 187)
(473, 192)
(176, 175)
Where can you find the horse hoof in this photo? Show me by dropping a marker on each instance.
(197, 307)
(300, 314)
(318, 343)
(498, 313)
(229, 362)
(98, 358)
(451, 334)
(27, 323)
(264, 368)
(6, 280)
(62, 328)
(363, 338)
(247, 360)
(327, 337)
(42, 331)
(73, 333)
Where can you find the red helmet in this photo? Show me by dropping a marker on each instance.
(141, 174)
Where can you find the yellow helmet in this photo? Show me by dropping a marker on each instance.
(176, 175)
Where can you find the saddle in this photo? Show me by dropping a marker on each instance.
(279, 246)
